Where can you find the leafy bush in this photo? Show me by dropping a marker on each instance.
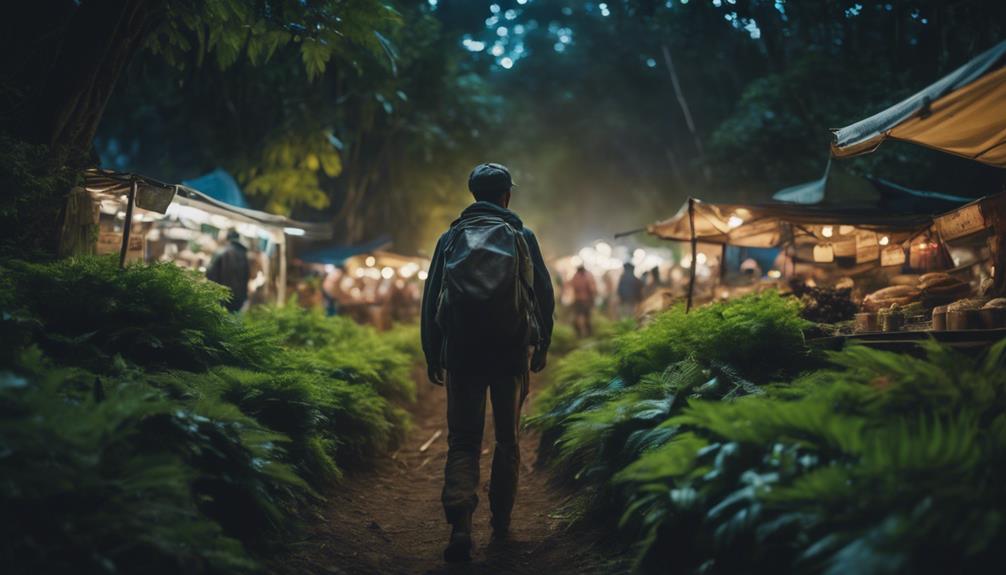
(146, 429)
(120, 477)
(889, 464)
(338, 347)
(760, 335)
(86, 311)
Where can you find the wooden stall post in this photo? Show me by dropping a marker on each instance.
(695, 263)
(128, 224)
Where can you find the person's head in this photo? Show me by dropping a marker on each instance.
(233, 236)
(629, 267)
(581, 270)
(491, 183)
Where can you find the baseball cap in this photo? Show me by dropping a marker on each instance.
(490, 178)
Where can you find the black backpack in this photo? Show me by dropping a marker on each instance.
(487, 294)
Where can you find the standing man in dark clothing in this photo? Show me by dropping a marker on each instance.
(630, 290)
(487, 306)
(229, 268)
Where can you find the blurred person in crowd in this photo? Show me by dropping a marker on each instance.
(630, 290)
(331, 290)
(584, 293)
(750, 270)
(229, 268)
(486, 321)
(610, 294)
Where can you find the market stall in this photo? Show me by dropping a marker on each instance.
(822, 245)
(865, 271)
(366, 282)
(963, 113)
(189, 227)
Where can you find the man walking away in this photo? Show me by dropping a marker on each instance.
(229, 268)
(630, 290)
(487, 305)
(584, 291)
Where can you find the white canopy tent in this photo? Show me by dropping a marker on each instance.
(964, 113)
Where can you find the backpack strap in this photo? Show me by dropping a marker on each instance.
(525, 254)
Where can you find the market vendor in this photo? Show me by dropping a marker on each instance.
(229, 268)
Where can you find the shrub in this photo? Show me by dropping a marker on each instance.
(85, 311)
(760, 335)
(145, 429)
(887, 464)
(339, 348)
(119, 478)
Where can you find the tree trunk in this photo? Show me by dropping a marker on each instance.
(68, 104)
(66, 100)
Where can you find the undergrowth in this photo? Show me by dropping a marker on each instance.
(873, 463)
(146, 429)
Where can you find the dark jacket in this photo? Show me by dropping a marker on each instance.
(488, 361)
(630, 288)
(229, 268)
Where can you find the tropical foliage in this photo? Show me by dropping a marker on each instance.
(144, 425)
(874, 462)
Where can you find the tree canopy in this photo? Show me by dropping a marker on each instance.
(370, 113)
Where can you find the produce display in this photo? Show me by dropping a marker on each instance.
(827, 305)
(908, 307)
(997, 303)
(940, 288)
(886, 297)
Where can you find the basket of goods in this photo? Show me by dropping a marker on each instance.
(827, 305)
(993, 313)
(865, 321)
(940, 318)
(891, 319)
(965, 314)
(938, 288)
(894, 295)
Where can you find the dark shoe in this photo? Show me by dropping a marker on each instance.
(501, 528)
(460, 547)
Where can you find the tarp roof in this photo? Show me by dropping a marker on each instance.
(838, 188)
(221, 186)
(964, 113)
(118, 183)
(338, 254)
(770, 225)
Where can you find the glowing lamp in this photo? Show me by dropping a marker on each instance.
(824, 253)
(827, 231)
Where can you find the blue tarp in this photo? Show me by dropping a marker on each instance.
(338, 254)
(839, 188)
(220, 186)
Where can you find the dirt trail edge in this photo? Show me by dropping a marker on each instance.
(389, 520)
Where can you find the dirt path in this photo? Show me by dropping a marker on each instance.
(389, 520)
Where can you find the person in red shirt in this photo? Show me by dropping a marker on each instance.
(584, 291)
